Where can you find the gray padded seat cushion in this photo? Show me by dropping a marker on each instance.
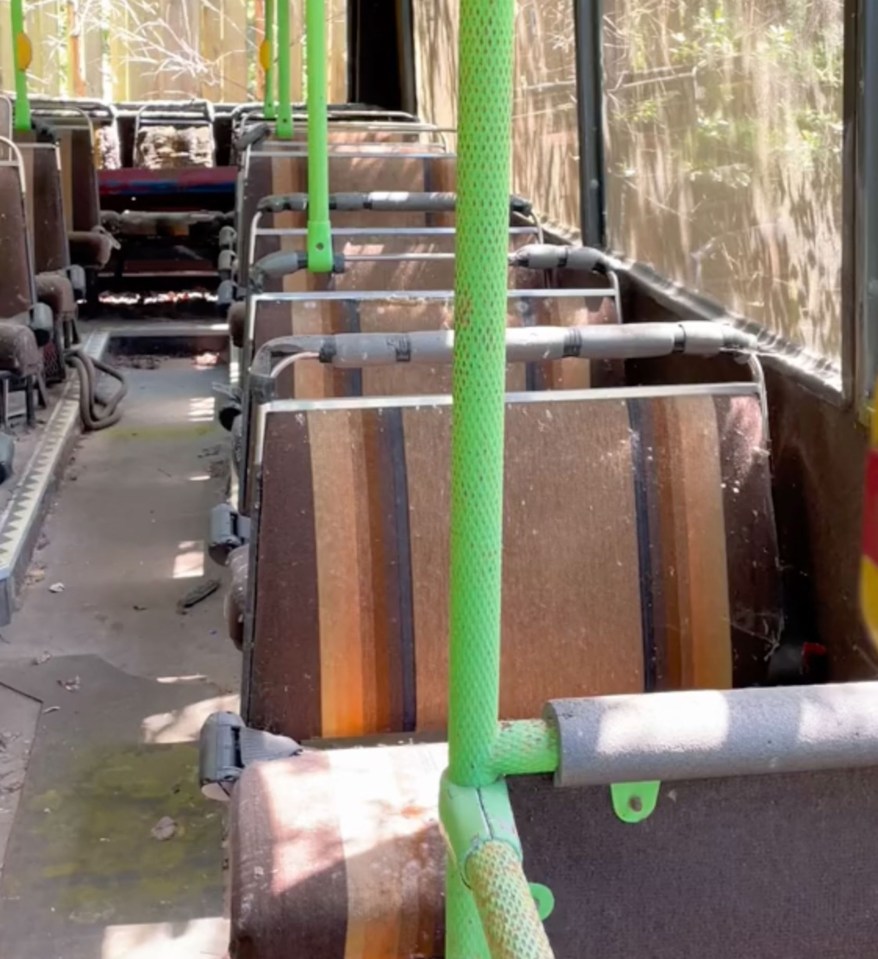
(90, 248)
(19, 353)
(55, 290)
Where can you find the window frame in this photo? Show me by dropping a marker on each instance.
(862, 351)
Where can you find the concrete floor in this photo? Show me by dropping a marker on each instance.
(105, 686)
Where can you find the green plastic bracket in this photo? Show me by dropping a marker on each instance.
(474, 815)
(634, 802)
(544, 899)
(284, 126)
(21, 53)
(320, 258)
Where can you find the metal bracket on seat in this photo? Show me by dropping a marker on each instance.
(76, 274)
(226, 747)
(225, 294)
(228, 531)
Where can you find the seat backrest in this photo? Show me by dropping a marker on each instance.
(16, 288)
(5, 117)
(79, 178)
(268, 172)
(327, 313)
(45, 206)
(365, 239)
(640, 553)
(347, 134)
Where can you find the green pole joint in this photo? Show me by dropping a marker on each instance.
(266, 56)
(486, 879)
(284, 126)
(634, 802)
(21, 52)
(474, 815)
(320, 259)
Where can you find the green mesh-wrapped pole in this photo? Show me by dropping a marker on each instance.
(485, 108)
(319, 229)
(512, 925)
(506, 922)
(284, 77)
(21, 56)
(266, 59)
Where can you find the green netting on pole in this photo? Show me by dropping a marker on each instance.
(506, 905)
(485, 107)
(284, 75)
(490, 910)
(266, 57)
(21, 56)
(319, 228)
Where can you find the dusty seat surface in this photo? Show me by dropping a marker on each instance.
(16, 290)
(55, 290)
(338, 854)
(45, 206)
(90, 248)
(79, 178)
(314, 876)
(19, 353)
(640, 552)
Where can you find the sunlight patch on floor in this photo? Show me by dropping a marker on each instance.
(195, 939)
(189, 561)
(184, 725)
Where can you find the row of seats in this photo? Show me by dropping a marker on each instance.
(51, 245)
(641, 555)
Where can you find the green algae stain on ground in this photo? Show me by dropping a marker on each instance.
(92, 837)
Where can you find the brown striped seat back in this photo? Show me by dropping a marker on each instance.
(754, 865)
(309, 380)
(377, 274)
(267, 173)
(411, 270)
(79, 178)
(640, 553)
(16, 289)
(45, 206)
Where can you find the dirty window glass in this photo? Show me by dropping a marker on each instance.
(724, 154)
(545, 144)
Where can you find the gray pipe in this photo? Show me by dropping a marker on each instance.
(703, 735)
(545, 256)
(380, 201)
(523, 345)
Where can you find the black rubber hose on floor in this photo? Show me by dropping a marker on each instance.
(96, 413)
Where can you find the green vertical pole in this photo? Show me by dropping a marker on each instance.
(319, 228)
(21, 57)
(267, 57)
(284, 97)
(484, 122)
